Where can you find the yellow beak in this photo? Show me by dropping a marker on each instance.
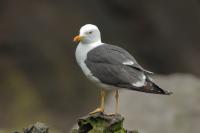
(77, 38)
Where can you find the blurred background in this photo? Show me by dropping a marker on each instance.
(40, 80)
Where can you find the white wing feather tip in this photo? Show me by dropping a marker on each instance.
(139, 84)
(128, 62)
(149, 72)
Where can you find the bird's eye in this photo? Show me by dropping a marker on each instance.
(90, 32)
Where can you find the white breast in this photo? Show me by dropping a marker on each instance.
(81, 55)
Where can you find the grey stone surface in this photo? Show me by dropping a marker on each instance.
(149, 113)
(38, 127)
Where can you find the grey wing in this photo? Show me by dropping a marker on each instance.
(111, 54)
(115, 66)
(126, 58)
(117, 75)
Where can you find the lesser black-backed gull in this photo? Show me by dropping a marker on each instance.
(110, 66)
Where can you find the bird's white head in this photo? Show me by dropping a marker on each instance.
(88, 34)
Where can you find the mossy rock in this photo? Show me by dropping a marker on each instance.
(101, 123)
(38, 127)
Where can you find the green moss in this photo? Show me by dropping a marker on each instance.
(101, 123)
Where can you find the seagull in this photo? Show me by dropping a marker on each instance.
(111, 67)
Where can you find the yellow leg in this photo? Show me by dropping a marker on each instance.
(103, 94)
(117, 101)
(102, 98)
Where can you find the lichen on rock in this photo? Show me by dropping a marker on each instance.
(101, 123)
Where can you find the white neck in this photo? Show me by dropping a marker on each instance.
(82, 50)
(81, 55)
(85, 48)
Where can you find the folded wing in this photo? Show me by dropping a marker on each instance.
(114, 66)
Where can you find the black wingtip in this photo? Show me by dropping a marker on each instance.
(158, 90)
(168, 93)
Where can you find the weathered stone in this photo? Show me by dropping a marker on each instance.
(37, 128)
(101, 123)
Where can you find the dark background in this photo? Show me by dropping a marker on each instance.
(39, 77)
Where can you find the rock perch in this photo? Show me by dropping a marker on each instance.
(101, 123)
